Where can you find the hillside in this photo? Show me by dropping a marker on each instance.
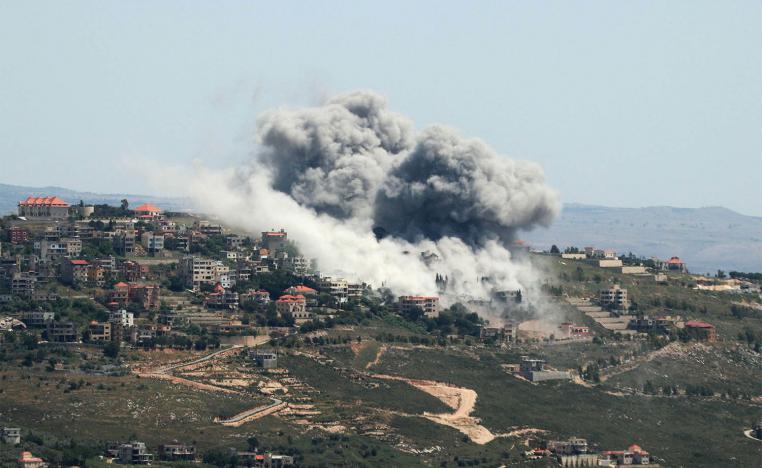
(11, 194)
(707, 239)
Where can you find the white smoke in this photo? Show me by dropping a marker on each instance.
(331, 174)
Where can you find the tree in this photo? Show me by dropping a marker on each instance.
(124, 204)
(111, 350)
(554, 249)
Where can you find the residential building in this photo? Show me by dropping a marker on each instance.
(310, 295)
(674, 264)
(615, 297)
(355, 291)
(572, 330)
(23, 284)
(338, 288)
(294, 305)
(43, 208)
(177, 452)
(274, 240)
(152, 242)
(701, 331)
(234, 241)
(504, 334)
(209, 229)
(99, 331)
(120, 294)
(134, 453)
(27, 460)
(634, 455)
(261, 297)
(198, 270)
(122, 318)
(96, 276)
(573, 256)
(52, 250)
(297, 264)
(146, 295)
(429, 304)
(61, 332)
(18, 235)
(535, 371)
(148, 211)
(11, 435)
(222, 298)
(37, 318)
(133, 271)
(74, 272)
(124, 242)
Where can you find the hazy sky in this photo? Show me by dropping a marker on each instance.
(623, 103)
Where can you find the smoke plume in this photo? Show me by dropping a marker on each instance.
(330, 174)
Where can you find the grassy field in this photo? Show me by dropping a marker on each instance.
(685, 432)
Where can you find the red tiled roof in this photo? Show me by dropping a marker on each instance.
(698, 324)
(274, 234)
(290, 298)
(300, 289)
(46, 201)
(675, 261)
(79, 262)
(148, 208)
(121, 284)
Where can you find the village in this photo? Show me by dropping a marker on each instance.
(118, 280)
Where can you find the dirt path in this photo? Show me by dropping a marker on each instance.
(165, 372)
(461, 400)
(377, 359)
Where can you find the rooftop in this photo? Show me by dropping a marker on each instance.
(148, 208)
(46, 201)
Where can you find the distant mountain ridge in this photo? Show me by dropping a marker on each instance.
(10, 195)
(707, 239)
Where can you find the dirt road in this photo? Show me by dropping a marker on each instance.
(461, 400)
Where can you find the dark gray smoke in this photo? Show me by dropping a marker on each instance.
(333, 158)
(448, 186)
(353, 159)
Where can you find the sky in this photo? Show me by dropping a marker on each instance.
(622, 103)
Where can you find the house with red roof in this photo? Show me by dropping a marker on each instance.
(295, 305)
(701, 331)
(43, 208)
(148, 211)
(310, 295)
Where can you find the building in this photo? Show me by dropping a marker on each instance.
(429, 305)
(572, 330)
(133, 271)
(122, 317)
(310, 295)
(534, 370)
(124, 242)
(634, 455)
(18, 235)
(11, 435)
(264, 360)
(99, 331)
(338, 288)
(573, 256)
(134, 453)
(43, 208)
(701, 331)
(296, 306)
(674, 264)
(297, 265)
(61, 332)
(52, 250)
(197, 271)
(74, 272)
(37, 318)
(177, 452)
(260, 297)
(633, 270)
(504, 334)
(148, 211)
(614, 297)
(27, 460)
(145, 295)
(23, 284)
(152, 242)
(222, 298)
(120, 294)
(274, 240)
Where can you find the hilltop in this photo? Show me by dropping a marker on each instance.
(11, 194)
(707, 239)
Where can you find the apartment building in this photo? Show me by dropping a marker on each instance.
(198, 270)
(75, 272)
(429, 304)
(338, 288)
(23, 284)
(99, 331)
(615, 297)
(152, 242)
(43, 208)
(294, 305)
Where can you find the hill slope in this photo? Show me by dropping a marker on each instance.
(707, 239)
